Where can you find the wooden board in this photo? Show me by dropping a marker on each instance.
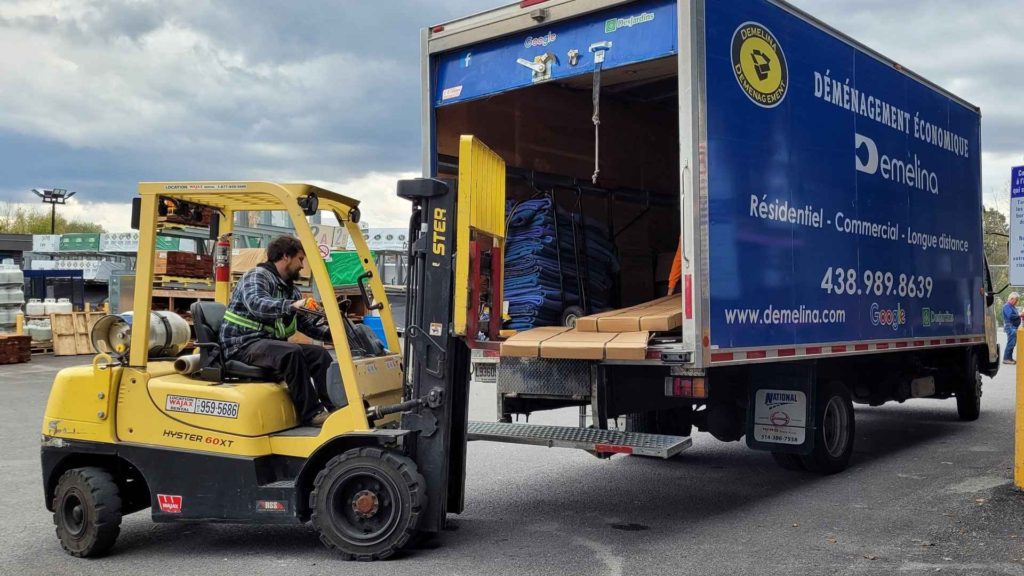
(65, 341)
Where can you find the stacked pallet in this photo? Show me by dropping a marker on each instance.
(183, 264)
(15, 349)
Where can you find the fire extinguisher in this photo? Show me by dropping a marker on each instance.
(222, 259)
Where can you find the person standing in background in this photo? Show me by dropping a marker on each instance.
(1011, 321)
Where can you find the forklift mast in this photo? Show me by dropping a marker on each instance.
(456, 236)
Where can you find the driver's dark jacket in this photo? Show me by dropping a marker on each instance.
(262, 296)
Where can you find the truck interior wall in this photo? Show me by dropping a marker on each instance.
(548, 128)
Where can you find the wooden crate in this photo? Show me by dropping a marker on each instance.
(71, 332)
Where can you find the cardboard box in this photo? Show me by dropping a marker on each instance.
(245, 259)
(661, 315)
(527, 344)
(576, 345)
(627, 346)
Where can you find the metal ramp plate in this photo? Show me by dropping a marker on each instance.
(600, 441)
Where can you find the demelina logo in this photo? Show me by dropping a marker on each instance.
(759, 64)
(613, 24)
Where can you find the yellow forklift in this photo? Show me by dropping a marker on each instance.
(223, 444)
(141, 427)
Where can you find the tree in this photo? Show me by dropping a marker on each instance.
(20, 219)
(996, 239)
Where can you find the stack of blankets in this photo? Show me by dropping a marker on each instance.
(538, 289)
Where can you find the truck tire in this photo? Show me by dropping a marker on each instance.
(87, 512)
(366, 503)
(834, 434)
(968, 395)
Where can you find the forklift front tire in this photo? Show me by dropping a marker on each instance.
(367, 502)
(87, 511)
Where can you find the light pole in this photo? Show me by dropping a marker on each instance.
(53, 196)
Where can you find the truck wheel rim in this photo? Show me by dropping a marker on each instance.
(836, 427)
(365, 505)
(73, 514)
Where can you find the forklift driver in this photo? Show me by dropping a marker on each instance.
(263, 313)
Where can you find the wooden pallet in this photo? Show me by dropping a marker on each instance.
(71, 332)
(42, 347)
(186, 282)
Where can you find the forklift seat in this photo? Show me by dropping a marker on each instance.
(207, 318)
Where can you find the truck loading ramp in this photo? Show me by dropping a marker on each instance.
(591, 439)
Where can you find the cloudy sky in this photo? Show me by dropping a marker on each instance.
(96, 95)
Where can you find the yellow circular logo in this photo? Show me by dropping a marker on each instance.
(759, 64)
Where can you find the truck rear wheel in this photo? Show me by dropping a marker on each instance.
(366, 503)
(87, 511)
(833, 442)
(968, 395)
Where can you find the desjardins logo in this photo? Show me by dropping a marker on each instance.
(759, 65)
(613, 24)
(932, 318)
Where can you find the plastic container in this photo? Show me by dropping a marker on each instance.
(63, 306)
(375, 324)
(15, 295)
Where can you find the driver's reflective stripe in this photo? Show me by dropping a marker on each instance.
(246, 322)
(279, 329)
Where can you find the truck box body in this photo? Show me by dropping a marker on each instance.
(828, 200)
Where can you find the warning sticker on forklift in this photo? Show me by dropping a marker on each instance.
(202, 406)
(780, 416)
(170, 504)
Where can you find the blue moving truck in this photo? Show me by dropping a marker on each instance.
(825, 202)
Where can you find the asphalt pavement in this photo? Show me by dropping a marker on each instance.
(925, 494)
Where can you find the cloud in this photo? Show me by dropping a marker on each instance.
(96, 95)
(969, 48)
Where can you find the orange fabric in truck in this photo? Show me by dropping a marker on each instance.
(676, 273)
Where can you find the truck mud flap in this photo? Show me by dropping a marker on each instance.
(780, 411)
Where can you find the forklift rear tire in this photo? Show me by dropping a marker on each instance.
(367, 502)
(968, 396)
(834, 435)
(87, 512)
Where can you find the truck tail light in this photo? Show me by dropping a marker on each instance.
(686, 387)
